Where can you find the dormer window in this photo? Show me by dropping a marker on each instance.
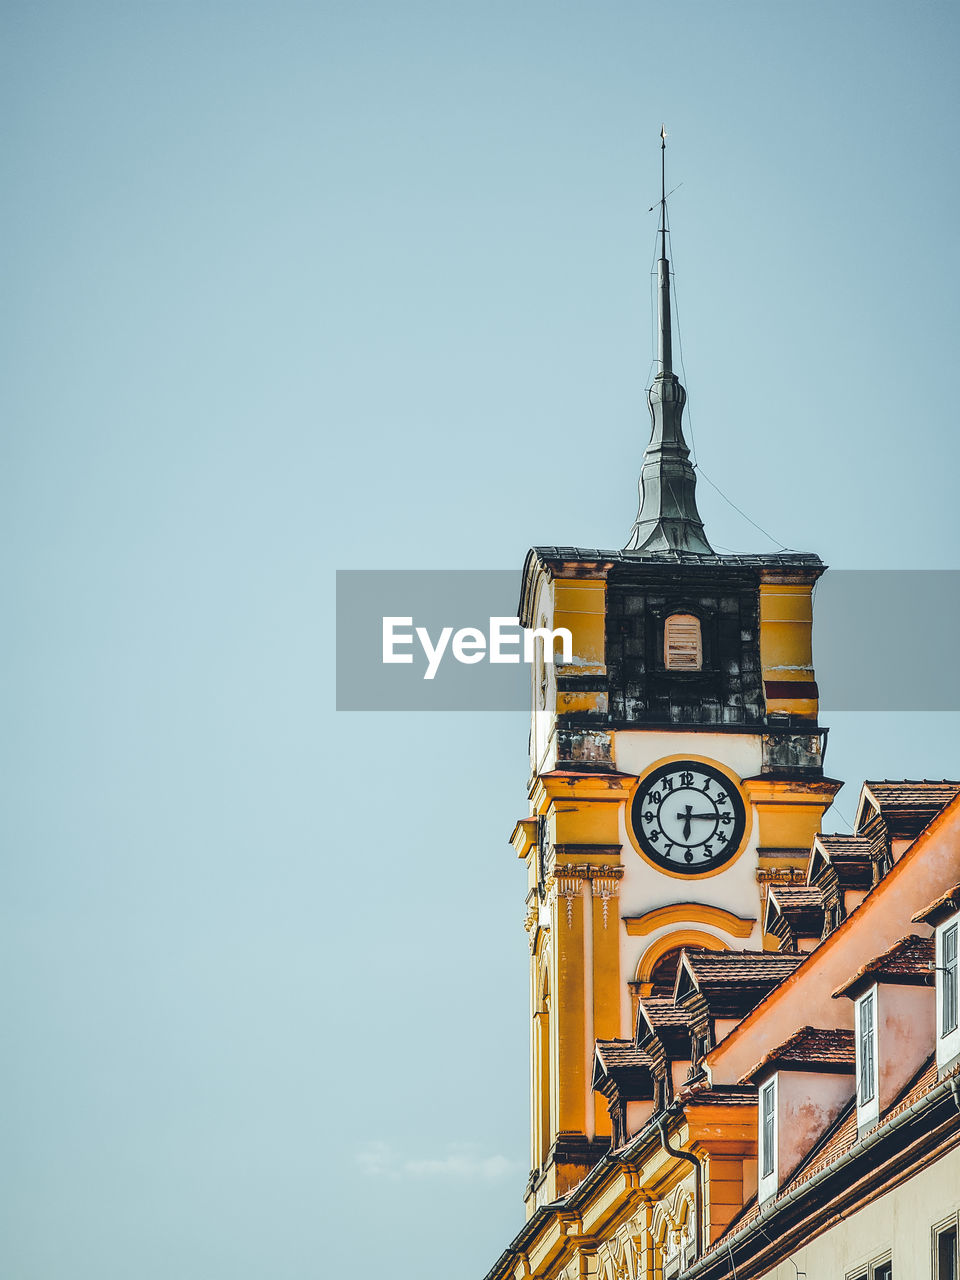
(948, 968)
(948, 990)
(867, 1101)
(768, 1111)
(682, 643)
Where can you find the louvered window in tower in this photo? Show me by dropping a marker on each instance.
(682, 645)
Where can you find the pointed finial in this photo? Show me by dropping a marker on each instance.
(663, 191)
(668, 520)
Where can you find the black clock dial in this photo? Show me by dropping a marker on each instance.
(688, 817)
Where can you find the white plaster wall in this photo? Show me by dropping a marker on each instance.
(898, 1223)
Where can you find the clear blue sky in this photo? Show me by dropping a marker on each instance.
(297, 287)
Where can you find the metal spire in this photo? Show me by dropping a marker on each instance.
(668, 519)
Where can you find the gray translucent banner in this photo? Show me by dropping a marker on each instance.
(884, 640)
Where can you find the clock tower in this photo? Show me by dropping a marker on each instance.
(676, 771)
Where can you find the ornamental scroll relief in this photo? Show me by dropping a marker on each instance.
(570, 878)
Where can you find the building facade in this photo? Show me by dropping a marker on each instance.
(712, 979)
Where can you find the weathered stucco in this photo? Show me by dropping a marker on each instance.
(898, 1224)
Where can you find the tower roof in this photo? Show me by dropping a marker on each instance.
(668, 519)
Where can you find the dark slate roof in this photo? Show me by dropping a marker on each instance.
(811, 1049)
(907, 962)
(590, 554)
(940, 908)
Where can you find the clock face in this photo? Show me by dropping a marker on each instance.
(688, 817)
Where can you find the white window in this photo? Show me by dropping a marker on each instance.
(879, 1270)
(948, 992)
(767, 1139)
(948, 962)
(682, 644)
(868, 1105)
(768, 1120)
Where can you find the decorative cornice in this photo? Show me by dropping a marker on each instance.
(569, 878)
(524, 836)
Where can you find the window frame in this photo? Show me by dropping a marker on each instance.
(948, 990)
(869, 1270)
(683, 619)
(866, 1040)
(949, 972)
(768, 1174)
(939, 1229)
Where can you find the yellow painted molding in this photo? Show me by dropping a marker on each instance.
(789, 812)
(602, 787)
(524, 836)
(693, 913)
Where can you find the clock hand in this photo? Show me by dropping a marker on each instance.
(688, 815)
(686, 825)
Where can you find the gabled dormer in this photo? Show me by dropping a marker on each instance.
(624, 1075)
(844, 868)
(894, 812)
(803, 1085)
(718, 988)
(664, 1034)
(943, 915)
(894, 1016)
(796, 916)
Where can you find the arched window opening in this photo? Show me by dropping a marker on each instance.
(665, 973)
(682, 643)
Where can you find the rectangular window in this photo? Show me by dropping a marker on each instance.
(866, 1047)
(682, 643)
(883, 1271)
(948, 967)
(945, 1253)
(767, 1127)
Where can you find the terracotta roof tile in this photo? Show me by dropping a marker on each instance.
(940, 907)
(662, 1012)
(747, 968)
(729, 1095)
(811, 1048)
(912, 793)
(907, 961)
(796, 895)
(619, 1055)
(840, 846)
(845, 1134)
